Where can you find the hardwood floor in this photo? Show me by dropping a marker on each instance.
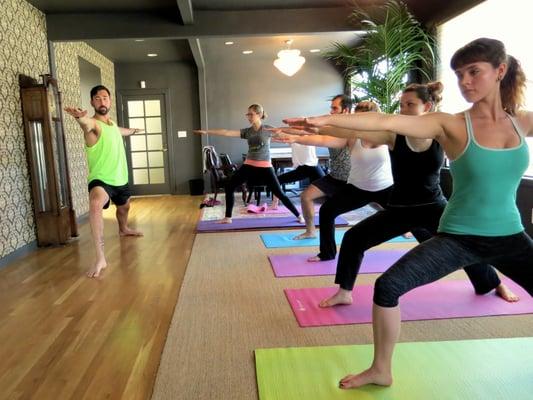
(65, 336)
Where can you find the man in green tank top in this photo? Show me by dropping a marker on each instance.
(108, 170)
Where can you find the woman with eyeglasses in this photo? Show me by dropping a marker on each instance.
(257, 165)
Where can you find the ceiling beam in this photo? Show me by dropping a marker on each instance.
(71, 27)
(186, 12)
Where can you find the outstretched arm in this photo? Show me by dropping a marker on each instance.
(87, 124)
(428, 126)
(374, 137)
(129, 131)
(288, 136)
(219, 132)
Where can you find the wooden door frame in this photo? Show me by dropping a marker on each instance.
(170, 129)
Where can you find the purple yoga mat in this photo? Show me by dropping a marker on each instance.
(257, 223)
(438, 300)
(375, 261)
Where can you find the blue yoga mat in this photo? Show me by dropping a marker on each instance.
(285, 239)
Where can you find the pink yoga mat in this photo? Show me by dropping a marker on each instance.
(375, 261)
(265, 209)
(438, 300)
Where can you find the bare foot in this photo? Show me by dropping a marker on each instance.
(301, 219)
(225, 220)
(342, 297)
(305, 235)
(314, 259)
(505, 293)
(370, 376)
(275, 204)
(408, 235)
(130, 232)
(94, 272)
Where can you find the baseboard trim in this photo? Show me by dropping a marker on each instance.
(20, 252)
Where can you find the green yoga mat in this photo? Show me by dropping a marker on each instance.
(451, 370)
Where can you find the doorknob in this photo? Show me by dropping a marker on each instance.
(164, 149)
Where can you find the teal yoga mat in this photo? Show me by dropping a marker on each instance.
(285, 239)
(495, 369)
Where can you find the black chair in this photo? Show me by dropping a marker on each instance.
(220, 169)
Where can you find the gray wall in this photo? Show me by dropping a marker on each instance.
(90, 76)
(232, 87)
(180, 78)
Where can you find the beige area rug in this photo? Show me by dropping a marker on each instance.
(231, 304)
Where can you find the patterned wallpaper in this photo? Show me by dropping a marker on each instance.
(23, 50)
(68, 76)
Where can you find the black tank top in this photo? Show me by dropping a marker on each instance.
(416, 175)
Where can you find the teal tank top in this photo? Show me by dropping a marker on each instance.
(107, 157)
(485, 182)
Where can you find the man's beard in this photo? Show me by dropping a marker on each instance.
(101, 110)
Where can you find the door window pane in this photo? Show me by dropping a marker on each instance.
(140, 177)
(157, 175)
(152, 108)
(138, 142)
(135, 109)
(136, 123)
(155, 142)
(138, 160)
(153, 125)
(155, 159)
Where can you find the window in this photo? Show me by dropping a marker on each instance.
(506, 25)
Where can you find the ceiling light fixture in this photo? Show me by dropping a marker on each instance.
(139, 40)
(152, 54)
(247, 52)
(289, 61)
(314, 51)
(229, 43)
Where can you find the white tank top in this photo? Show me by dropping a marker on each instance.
(303, 155)
(370, 168)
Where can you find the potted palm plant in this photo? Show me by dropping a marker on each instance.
(389, 52)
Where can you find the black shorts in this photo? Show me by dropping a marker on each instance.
(329, 185)
(119, 195)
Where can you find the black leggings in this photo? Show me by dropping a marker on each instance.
(348, 198)
(300, 173)
(422, 221)
(259, 175)
(445, 253)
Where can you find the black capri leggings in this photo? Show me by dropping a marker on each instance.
(347, 198)
(445, 253)
(300, 173)
(422, 221)
(263, 175)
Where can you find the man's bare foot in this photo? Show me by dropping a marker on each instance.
(408, 235)
(301, 219)
(305, 235)
(225, 220)
(342, 297)
(314, 259)
(505, 293)
(130, 232)
(94, 272)
(370, 376)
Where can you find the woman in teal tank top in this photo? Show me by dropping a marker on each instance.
(481, 223)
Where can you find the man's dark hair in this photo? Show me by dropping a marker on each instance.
(97, 88)
(346, 101)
